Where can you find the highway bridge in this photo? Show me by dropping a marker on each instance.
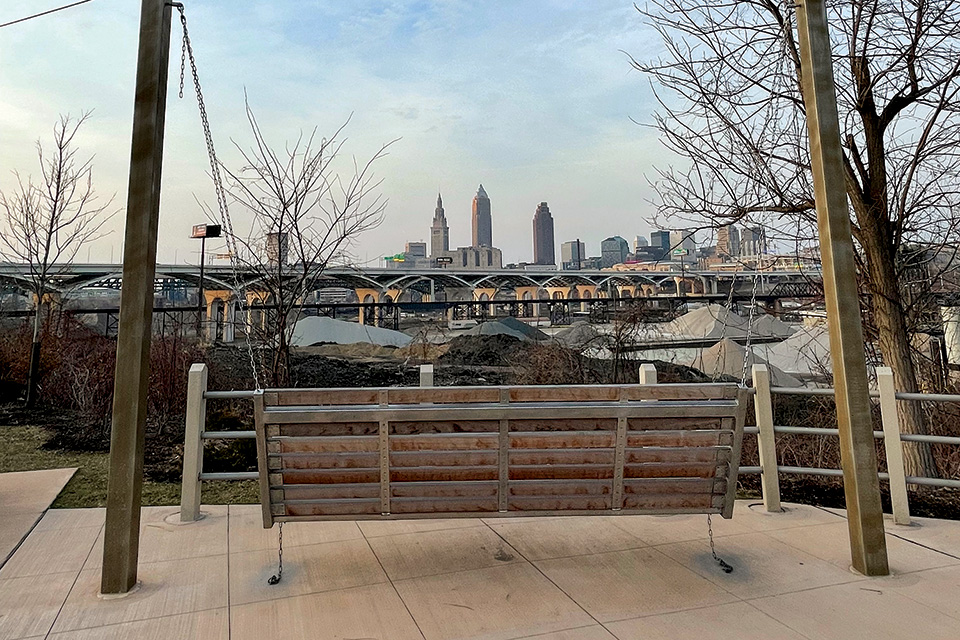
(377, 284)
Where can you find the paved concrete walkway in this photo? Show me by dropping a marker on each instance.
(24, 496)
(554, 579)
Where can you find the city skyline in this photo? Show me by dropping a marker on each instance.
(470, 89)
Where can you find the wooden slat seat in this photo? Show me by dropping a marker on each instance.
(498, 451)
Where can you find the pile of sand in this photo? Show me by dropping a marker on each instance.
(316, 330)
(580, 334)
(807, 352)
(726, 358)
(709, 322)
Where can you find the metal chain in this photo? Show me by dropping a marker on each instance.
(723, 328)
(186, 54)
(747, 346)
(713, 551)
(275, 579)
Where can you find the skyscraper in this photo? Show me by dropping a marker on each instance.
(439, 232)
(482, 224)
(661, 240)
(572, 254)
(728, 242)
(613, 251)
(543, 249)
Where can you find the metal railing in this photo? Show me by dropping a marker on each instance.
(766, 432)
(888, 398)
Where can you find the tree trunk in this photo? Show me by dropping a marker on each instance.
(894, 341)
(33, 374)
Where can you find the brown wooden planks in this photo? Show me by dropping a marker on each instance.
(680, 455)
(444, 395)
(321, 397)
(330, 476)
(441, 505)
(670, 486)
(688, 470)
(324, 461)
(675, 423)
(442, 474)
(314, 430)
(482, 489)
(560, 425)
(573, 440)
(558, 503)
(331, 507)
(560, 456)
(564, 394)
(407, 427)
(560, 487)
(679, 438)
(443, 442)
(442, 458)
(706, 501)
(325, 444)
(331, 491)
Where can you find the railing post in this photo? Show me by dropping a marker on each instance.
(426, 375)
(648, 374)
(193, 443)
(892, 446)
(763, 406)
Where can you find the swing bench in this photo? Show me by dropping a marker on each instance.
(451, 452)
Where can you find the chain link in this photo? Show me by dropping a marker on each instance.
(186, 55)
(275, 579)
(713, 551)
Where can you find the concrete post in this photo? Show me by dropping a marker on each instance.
(196, 421)
(121, 543)
(893, 446)
(426, 375)
(763, 408)
(951, 333)
(861, 486)
(648, 374)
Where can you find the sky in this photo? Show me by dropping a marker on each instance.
(535, 99)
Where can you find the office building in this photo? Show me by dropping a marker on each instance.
(753, 241)
(439, 231)
(572, 255)
(482, 222)
(683, 244)
(661, 241)
(728, 242)
(613, 250)
(543, 247)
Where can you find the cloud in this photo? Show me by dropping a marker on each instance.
(533, 99)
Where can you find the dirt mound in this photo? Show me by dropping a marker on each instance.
(421, 351)
(491, 351)
(355, 350)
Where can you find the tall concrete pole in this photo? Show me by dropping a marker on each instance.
(122, 531)
(860, 484)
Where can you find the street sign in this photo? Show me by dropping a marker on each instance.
(680, 252)
(205, 231)
(444, 260)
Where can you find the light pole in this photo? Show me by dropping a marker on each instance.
(203, 231)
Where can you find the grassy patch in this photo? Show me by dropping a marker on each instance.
(21, 449)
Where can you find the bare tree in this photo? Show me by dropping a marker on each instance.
(731, 107)
(45, 223)
(303, 217)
